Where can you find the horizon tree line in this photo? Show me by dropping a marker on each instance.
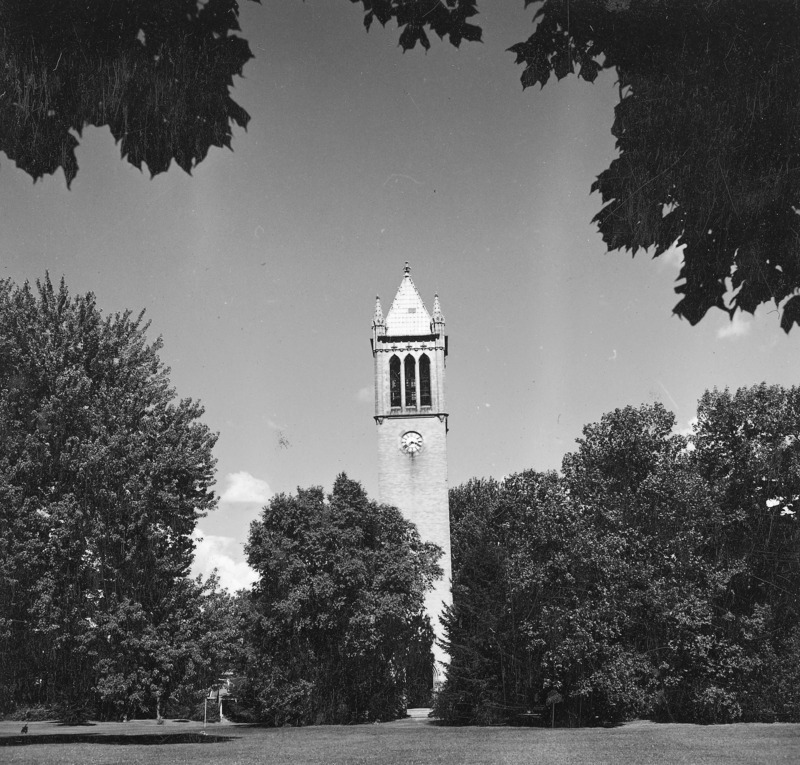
(657, 575)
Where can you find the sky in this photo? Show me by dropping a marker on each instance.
(260, 270)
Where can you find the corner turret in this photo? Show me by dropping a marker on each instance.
(378, 322)
(437, 320)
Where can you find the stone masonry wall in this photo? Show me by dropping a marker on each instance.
(417, 485)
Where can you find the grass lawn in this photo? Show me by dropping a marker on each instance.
(405, 742)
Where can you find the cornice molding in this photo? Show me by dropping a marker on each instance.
(407, 338)
(442, 416)
(409, 348)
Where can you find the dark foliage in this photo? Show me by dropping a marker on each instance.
(158, 74)
(337, 614)
(103, 474)
(72, 710)
(706, 123)
(33, 713)
(490, 667)
(652, 579)
(706, 128)
(748, 447)
(445, 18)
(707, 134)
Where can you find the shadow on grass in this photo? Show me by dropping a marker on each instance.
(139, 739)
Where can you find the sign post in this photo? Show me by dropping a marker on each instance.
(553, 698)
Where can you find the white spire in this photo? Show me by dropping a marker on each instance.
(438, 316)
(408, 316)
(377, 319)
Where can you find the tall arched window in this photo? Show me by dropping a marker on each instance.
(394, 382)
(424, 380)
(410, 365)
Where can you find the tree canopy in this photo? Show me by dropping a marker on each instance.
(706, 127)
(338, 610)
(657, 576)
(158, 74)
(103, 475)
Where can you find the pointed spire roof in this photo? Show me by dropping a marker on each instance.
(438, 316)
(408, 315)
(377, 319)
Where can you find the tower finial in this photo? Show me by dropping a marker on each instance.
(437, 317)
(377, 319)
(378, 322)
(407, 269)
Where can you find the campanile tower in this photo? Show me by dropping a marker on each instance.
(409, 349)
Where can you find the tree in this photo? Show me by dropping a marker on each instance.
(580, 585)
(747, 444)
(649, 634)
(475, 625)
(705, 126)
(658, 576)
(153, 661)
(445, 18)
(157, 74)
(493, 675)
(603, 588)
(103, 475)
(338, 607)
(705, 123)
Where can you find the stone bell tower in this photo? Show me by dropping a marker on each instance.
(409, 349)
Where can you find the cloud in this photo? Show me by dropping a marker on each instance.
(225, 555)
(737, 327)
(366, 395)
(243, 487)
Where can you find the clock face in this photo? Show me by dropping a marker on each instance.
(411, 442)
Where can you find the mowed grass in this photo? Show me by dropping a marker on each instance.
(405, 742)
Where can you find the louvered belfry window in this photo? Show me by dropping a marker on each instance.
(394, 383)
(410, 365)
(424, 380)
